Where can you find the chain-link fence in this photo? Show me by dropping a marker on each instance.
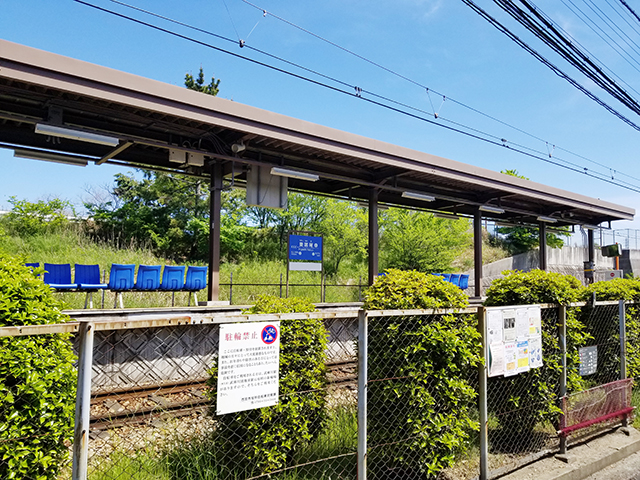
(522, 408)
(422, 395)
(412, 408)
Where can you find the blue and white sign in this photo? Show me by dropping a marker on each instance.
(302, 247)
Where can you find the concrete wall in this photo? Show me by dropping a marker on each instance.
(568, 260)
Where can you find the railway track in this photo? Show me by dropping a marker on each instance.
(144, 404)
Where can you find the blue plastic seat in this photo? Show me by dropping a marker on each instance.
(173, 280)
(58, 276)
(32, 265)
(464, 282)
(148, 277)
(455, 279)
(87, 278)
(121, 280)
(446, 276)
(196, 280)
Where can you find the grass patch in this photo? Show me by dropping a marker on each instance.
(196, 458)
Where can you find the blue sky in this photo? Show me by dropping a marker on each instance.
(441, 44)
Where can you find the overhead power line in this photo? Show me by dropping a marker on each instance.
(470, 132)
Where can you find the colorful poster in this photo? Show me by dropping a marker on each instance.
(523, 355)
(248, 366)
(510, 359)
(535, 351)
(535, 322)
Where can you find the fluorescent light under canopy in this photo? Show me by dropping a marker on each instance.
(50, 157)
(418, 196)
(490, 209)
(285, 172)
(81, 135)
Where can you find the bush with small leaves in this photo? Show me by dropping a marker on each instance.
(265, 439)
(435, 358)
(37, 379)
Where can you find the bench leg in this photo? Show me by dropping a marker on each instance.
(88, 299)
(118, 297)
(173, 299)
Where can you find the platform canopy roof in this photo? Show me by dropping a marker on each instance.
(130, 120)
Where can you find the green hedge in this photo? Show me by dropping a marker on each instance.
(265, 439)
(433, 359)
(37, 379)
(522, 401)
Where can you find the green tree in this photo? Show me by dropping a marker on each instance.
(344, 229)
(420, 241)
(522, 239)
(198, 84)
(170, 212)
(28, 218)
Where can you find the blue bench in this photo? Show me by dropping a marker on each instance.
(460, 280)
(149, 278)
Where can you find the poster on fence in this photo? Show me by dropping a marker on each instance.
(248, 366)
(516, 334)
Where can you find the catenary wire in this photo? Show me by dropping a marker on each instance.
(434, 91)
(500, 139)
(551, 161)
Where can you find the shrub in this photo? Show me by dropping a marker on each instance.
(265, 439)
(26, 218)
(531, 397)
(37, 379)
(432, 402)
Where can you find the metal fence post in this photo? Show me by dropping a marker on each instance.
(363, 332)
(231, 288)
(562, 321)
(482, 396)
(83, 402)
(623, 350)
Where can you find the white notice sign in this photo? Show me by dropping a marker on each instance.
(496, 359)
(494, 326)
(509, 325)
(522, 324)
(248, 366)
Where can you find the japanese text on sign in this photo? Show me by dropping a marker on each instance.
(305, 248)
(248, 366)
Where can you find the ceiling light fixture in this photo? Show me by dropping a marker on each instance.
(590, 227)
(83, 136)
(490, 209)
(284, 172)
(418, 196)
(450, 216)
(543, 218)
(50, 157)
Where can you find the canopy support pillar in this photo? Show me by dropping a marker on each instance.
(373, 234)
(215, 206)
